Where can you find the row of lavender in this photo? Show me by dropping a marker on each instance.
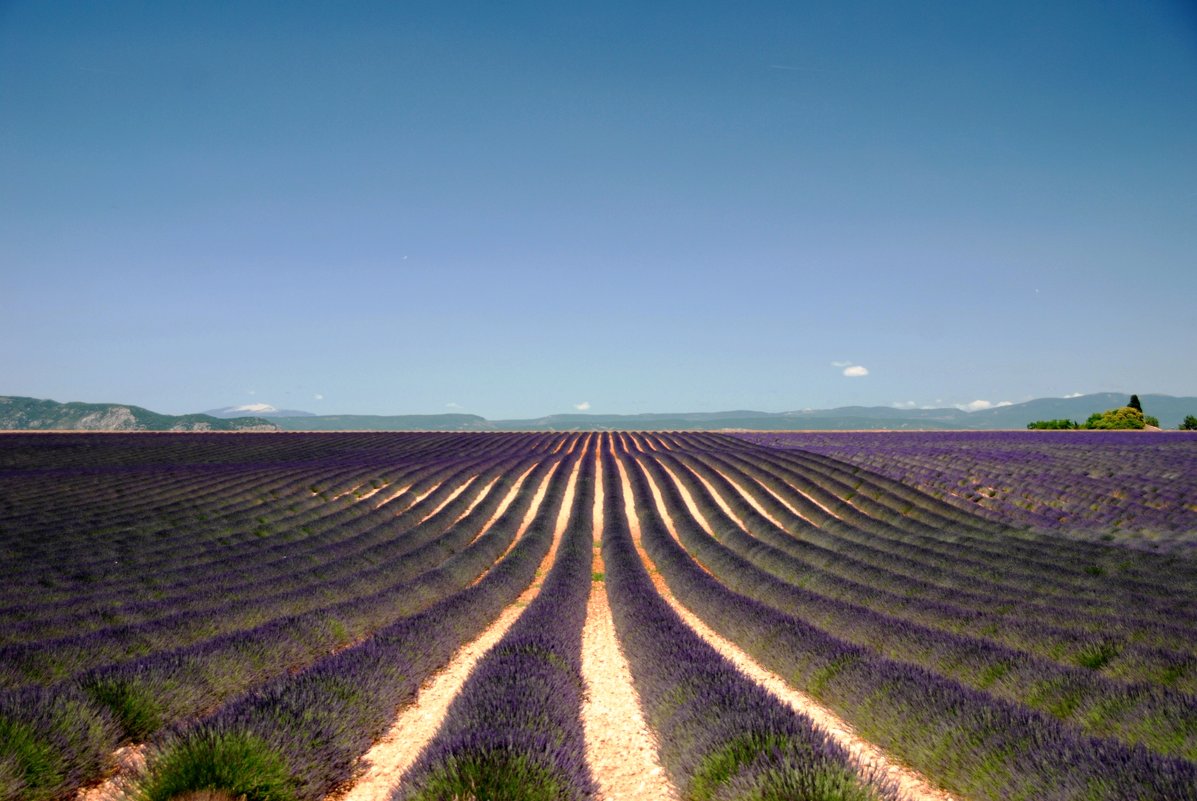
(982, 717)
(1117, 484)
(328, 576)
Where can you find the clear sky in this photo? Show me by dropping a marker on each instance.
(516, 209)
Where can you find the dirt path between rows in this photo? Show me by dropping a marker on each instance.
(868, 756)
(620, 748)
(129, 760)
(416, 725)
(452, 497)
(401, 491)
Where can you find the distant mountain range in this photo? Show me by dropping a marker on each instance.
(1169, 409)
(30, 413)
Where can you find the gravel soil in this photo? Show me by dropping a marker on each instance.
(620, 747)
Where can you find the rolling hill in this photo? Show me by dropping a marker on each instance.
(34, 414)
(1169, 409)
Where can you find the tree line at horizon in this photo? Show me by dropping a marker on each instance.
(1128, 417)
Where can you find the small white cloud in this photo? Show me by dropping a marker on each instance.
(1074, 395)
(317, 396)
(841, 364)
(1005, 403)
(905, 405)
(583, 406)
(974, 406)
(253, 392)
(451, 404)
(856, 371)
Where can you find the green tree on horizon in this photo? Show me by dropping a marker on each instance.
(1125, 417)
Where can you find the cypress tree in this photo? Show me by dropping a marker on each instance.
(1134, 403)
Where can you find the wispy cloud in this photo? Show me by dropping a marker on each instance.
(1074, 395)
(453, 405)
(317, 396)
(905, 405)
(841, 364)
(583, 406)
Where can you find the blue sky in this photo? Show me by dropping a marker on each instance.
(518, 209)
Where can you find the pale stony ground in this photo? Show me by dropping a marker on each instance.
(620, 748)
(399, 492)
(129, 759)
(452, 497)
(872, 759)
(486, 491)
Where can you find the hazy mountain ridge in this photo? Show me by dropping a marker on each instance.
(1169, 409)
(393, 422)
(34, 414)
(18, 413)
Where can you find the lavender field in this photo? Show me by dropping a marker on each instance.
(248, 614)
(1105, 485)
